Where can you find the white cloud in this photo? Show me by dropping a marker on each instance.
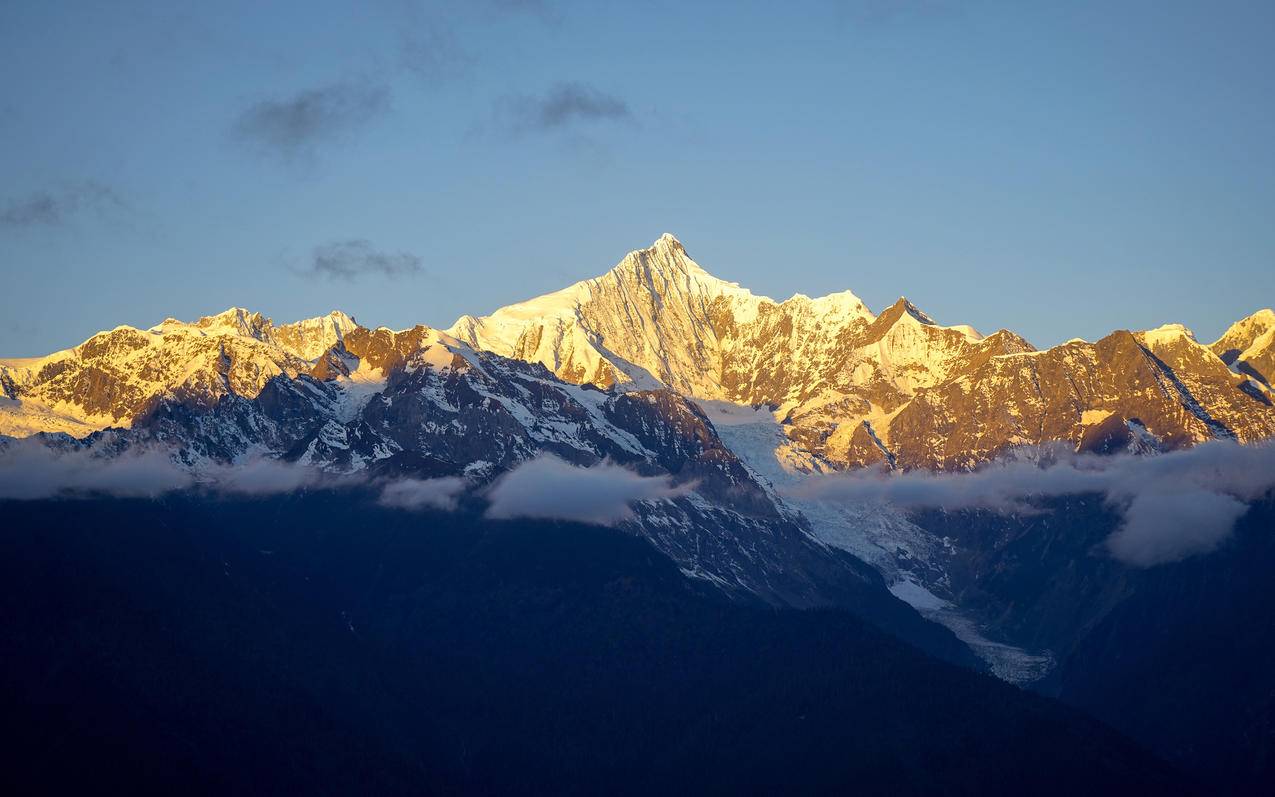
(1159, 528)
(422, 493)
(30, 470)
(265, 476)
(1172, 506)
(547, 487)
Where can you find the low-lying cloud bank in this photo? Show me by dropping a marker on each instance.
(546, 487)
(30, 470)
(1172, 506)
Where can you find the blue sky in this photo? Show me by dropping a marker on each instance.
(1060, 169)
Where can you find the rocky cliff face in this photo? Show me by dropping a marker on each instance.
(1159, 387)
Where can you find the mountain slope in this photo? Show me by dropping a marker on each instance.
(322, 644)
(1181, 657)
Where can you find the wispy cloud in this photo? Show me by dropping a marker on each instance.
(30, 470)
(414, 494)
(427, 44)
(53, 207)
(294, 128)
(349, 260)
(264, 476)
(1172, 506)
(547, 487)
(1166, 525)
(562, 106)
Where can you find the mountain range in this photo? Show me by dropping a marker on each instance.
(659, 366)
(849, 387)
(725, 400)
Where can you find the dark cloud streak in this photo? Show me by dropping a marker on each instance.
(563, 105)
(355, 258)
(55, 207)
(294, 128)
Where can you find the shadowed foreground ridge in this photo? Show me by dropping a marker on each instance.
(320, 644)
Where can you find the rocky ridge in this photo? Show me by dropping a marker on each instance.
(899, 389)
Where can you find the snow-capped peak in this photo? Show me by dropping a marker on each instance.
(658, 316)
(1248, 347)
(1241, 335)
(1264, 317)
(666, 260)
(903, 313)
(1166, 334)
(911, 311)
(638, 323)
(114, 375)
(308, 338)
(232, 321)
(842, 304)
